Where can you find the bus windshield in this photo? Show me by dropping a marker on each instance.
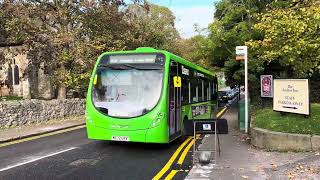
(127, 90)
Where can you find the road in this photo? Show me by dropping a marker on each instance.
(71, 155)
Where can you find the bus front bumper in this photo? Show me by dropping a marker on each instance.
(152, 135)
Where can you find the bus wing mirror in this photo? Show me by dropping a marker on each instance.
(95, 80)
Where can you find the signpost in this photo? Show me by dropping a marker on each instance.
(266, 86)
(291, 95)
(242, 54)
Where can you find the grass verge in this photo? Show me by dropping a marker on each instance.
(289, 123)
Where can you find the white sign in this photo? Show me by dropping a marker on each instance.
(291, 95)
(206, 127)
(185, 71)
(241, 52)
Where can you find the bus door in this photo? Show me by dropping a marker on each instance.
(174, 101)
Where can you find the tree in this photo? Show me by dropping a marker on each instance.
(232, 26)
(58, 35)
(151, 25)
(290, 38)
(66, 37)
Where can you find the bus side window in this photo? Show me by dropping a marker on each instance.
(213, 90)
(206, 90)
(209, 91)
(185, 91)
(194, 91)
(200, 90)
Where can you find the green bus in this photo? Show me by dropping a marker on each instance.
(147, 95)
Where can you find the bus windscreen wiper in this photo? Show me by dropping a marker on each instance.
(104, 110)
(143, 67)
(114, 67)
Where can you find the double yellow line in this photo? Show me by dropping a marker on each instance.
(189, 140)
(219, 114)
(171, 160)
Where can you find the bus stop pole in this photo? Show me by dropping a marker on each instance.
(246, 120)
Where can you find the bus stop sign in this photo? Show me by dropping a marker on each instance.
(177, 81)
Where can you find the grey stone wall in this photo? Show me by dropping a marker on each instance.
(16, 113)
(278, 141)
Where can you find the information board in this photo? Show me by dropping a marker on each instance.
(291, 95)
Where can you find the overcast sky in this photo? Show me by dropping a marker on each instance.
(188, 13)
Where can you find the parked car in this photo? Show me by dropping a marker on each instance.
(230, 94)
(235, 91)
(223, 96)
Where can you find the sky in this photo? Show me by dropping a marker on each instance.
(188, 13)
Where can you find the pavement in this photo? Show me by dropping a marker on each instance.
(240, 160)
(12, 134)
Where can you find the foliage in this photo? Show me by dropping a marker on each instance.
(66, 37)
(289, 123)
(194, 49)
(291, 37)
(9, 98)
(282, 39)
(153, 27)
(232, 26)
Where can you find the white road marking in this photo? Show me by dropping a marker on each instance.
(36, 159)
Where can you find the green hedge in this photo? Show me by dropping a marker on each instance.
(289, 123)
(9, 98)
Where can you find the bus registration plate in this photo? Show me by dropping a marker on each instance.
(120, 138)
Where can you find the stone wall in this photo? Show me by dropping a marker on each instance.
(16, 113)
(278, 141)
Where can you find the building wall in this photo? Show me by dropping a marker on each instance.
(32, 81)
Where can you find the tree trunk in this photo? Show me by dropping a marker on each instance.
(62, 92)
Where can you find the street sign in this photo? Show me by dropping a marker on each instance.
(241, 53)
(291, 95)
(266, 86)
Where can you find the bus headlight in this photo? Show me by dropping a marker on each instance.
(156, 122)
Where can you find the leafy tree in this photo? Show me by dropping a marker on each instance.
(232, 26)
(194, 49)
(66, 37)
(290, 38)
(151, 26)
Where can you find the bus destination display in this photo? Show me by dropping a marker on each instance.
(121, 59)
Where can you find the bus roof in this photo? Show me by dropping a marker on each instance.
(172, 56)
